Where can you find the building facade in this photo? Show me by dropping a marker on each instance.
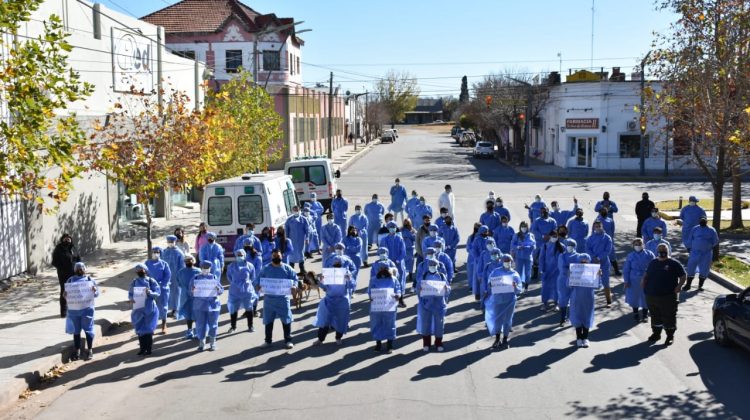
(227, 35)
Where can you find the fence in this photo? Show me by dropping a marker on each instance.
(12, 237)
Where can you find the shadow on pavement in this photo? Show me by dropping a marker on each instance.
(536, 365)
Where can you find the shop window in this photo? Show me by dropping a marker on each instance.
(630, 146)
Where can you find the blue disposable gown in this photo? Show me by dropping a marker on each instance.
(206, 309)
(603, 203)
(522, 250)
(409, 239)
(398, 198)
(423, 269)
(423, 210)
(429, 242)
(375, 212)
(562, 216)
(174, 257)
(275, 306)
(185, 308)
(503, 236)
(257, 263)
(287, 250)
(411, 209)
(297, 230)
(549, 271)
(578, 230)
(502, 211)
(330, 236)
(653, 244)
(563, 267)
(361, 223)
(353, 250)
(268, 246)
(702, 241)
(470, 266)
(334, 308)
(312, 236)
(145, 319)
(80, 319)
(647, 231)
(397, 254)
(440, 223)
(690, 216)
(480, 264)
(582, 304)
(431, 309)
(452, 238)
(383, 324)
(535, 210)
(609, 228)
(632, 273)
(317, 208)
(542, 227)
(340, 206)
(445, 259)
(240, 242)
(499, 308)
(490, 219)
(214, 253)
(486, 272)
(599, 246)
(159, 270)
(241, 275)
(375, 267)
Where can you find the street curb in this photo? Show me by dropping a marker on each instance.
(725, 281)
(582, 178)
(359, 155)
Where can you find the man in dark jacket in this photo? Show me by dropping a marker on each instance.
(661, 284)
(643, 212)
(64, 258)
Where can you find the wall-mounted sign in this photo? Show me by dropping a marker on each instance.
(588, 123)
(132, 61)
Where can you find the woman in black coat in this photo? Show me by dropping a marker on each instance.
(64, 258)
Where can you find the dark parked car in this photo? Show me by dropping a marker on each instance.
(732, 319)
(388, 137)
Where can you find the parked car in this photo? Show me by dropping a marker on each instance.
(484, 149)
(467, 139)
(456, 132)
(438, 121)
(732, 319)
(388, 136)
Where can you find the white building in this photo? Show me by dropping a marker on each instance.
(111, 51)
(594, 123)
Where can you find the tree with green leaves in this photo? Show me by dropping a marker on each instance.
(38, 138)
(704, 90)
(252, 123)
(464, 95)
(398, 92)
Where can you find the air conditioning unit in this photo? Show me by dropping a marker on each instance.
(632, 125)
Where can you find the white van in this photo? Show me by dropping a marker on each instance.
(263, 199)
(314, 174)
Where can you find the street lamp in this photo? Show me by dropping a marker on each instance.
(264, 33)
(528, 118)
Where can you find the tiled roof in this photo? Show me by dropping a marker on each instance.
(209, 16)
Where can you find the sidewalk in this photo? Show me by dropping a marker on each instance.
(33, 339)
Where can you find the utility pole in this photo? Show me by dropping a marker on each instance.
(366, 130)
(642, 119)
(255, 59)
(529, 124)
(330, 119)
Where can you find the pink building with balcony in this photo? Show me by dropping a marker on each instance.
(227, 35)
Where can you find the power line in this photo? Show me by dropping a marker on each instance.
(457, 63)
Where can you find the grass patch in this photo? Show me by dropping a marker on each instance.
(706, 203)
(733, 268)
(743, 231)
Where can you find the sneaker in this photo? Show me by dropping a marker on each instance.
(89, 354)
(426, 349)
(231, 330)
(401, 304)
(556, 309)
(339, 342)
(440, 349)
(75, 356)
(251, 329)
(265, 345)
(579, 342)
(317, 343)
(189, 334)
(213, 345)
(289, 345)
(201, 346)
(585, 343)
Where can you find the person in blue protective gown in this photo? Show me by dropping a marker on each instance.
(606, 204)
(346, 262)
(599, 247)
(703, 239)
(582, 304)
(522, 250)
(563, 267)
(375, 213)
(396, 253)
(500, 302)
(254, 257)
(185, 310)
(411, 207)
(490, 218)
(317, 208)
(423, 209)
(284, 244)
(409, 234)
(382, 261)
(470, 258)
(159, 270)
(656, 241)
(249, 234)
(444, 259)
(449, 233)
(480, 264)
(503, 235)
(647, 231)
(313, 241)
(353, 248)
(383, 323)
(433, 289)
(429, 254)
(277, 306)
(330, 236)
(339, 207)
(535, 209)
(495, 261)
(540, 228)
(361, 223)
(608, 223)
(562, 216)
(398, 200)
(501, 209)
(431, 238)
(268, 243)
(632, 273)
(241, 275)
(175, 258)
(578, 230)
(297, 229)
(206, 309)
(690, 216)
(213, 253)
(145, 314)
(549, 271)
(77, 320)
(334, 310)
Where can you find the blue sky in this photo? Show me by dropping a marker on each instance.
(439, 41)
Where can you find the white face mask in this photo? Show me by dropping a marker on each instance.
(313, 199)
(657, 236)
(499, 204)
(358, 212)
(383, 257)
(171, 245)
(638, 248)
(555, 208)
(433, 234)
(206, 270)
(155, 256)
(438, 249)
(490, 247)
(692, 203)
(506, 264)
(505, 224)
(538, 200)
(339, 252)
(444, 214)
(375, 201)
(571, 249)
(432, 269)
(330, 222)
(553, 239)
(495, 258)
(295, 213)
(524, 229)
(654, 214)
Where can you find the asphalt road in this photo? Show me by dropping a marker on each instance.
(542, 375)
